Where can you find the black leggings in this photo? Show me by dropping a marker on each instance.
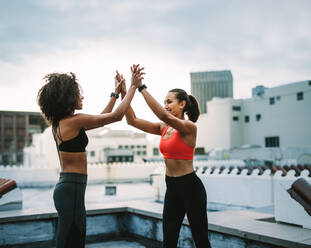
(185, 195)
(69, 202)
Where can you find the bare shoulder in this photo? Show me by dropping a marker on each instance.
(74, 120)
(191, 123)
(188, 127)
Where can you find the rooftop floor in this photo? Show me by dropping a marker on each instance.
(143, 219)
(116, 244)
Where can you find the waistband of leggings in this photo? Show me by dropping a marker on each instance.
(181, 178)
(72, 177)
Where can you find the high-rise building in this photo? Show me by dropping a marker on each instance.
(209, 84)
(16, 130)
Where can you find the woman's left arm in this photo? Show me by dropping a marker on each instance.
(113, 99)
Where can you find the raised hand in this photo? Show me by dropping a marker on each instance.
(137, 75)
(118, 83)
(123, 86)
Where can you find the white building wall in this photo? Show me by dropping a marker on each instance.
(214, 128)
(287, 118)
(236, 127)
(43, 151)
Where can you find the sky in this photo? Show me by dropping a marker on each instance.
(262, 42)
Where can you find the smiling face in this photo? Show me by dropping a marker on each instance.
(80, 100)
(173, 106)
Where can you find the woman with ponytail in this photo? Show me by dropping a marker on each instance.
(185, 193)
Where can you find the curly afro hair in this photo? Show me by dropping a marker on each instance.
(58, 97)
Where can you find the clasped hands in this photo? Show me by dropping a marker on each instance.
(136, 79)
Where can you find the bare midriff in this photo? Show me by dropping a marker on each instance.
(178, 167)
(73, 162)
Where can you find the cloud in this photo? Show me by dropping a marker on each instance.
(261, 42)
(95, 64)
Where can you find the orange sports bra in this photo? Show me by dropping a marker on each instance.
(174, 147)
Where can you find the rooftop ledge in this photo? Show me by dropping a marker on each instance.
(142, 221)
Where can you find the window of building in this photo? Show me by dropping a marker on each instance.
(199, 151)
(144, 152)
(272, 141)
(8, 131)
(20, 120)
(92, 153)
(20, 144)
(278, 98)
(235, 118)
(236, 108)
(271, 100)
(35, 120)
(132, 146)
(299, 96)
(138, 152)
(246, 118)
(7, 143)
(309, 82)
(19, 158)
(5, 159)
(144, 146)
(8, 119)
(155, 151)
(126, 147)
(120, 147)
(138, 146)
(258, 117)
(21, 131)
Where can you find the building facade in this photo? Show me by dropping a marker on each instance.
(16, 131)
(273, 117)
(209, 84)
(105, 146)
(108, 145)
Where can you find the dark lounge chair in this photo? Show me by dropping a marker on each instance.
(301, 192)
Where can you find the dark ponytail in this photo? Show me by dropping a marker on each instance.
(192, 107)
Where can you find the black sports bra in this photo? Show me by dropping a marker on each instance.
(76, 144)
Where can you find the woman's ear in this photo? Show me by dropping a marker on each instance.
(182, 104)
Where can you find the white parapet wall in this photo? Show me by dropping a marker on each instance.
(30, 176)
(252, 190)
(122, 171)
(287, 209)
(47, 176)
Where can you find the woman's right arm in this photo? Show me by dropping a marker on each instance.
(144, 125)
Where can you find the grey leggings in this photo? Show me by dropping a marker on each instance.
(69, 202)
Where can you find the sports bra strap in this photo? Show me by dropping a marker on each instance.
(60, 159)
(58, 133)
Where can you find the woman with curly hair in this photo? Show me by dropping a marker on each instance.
(185, 193)
(58, 99)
